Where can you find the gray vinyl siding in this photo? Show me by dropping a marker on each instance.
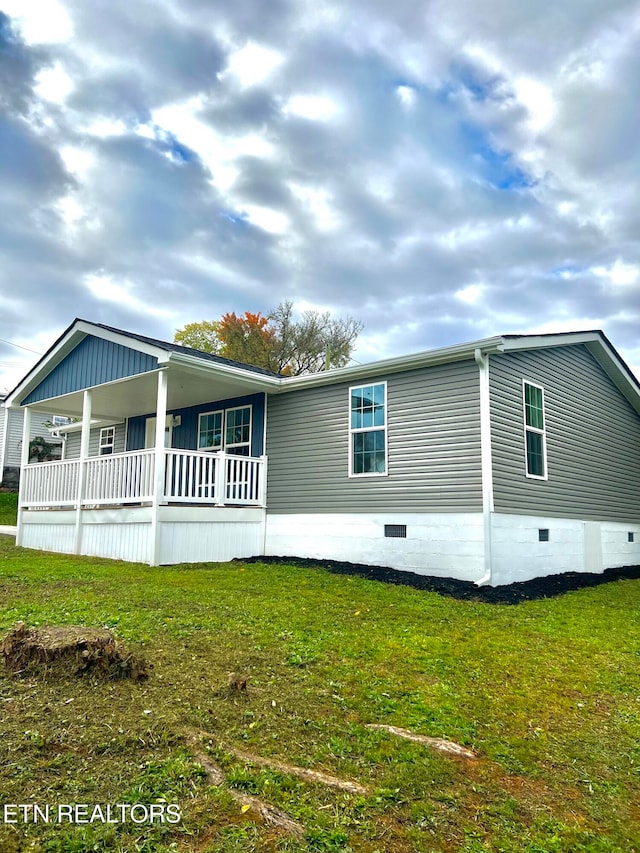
(72, 450)
(433, 446)
(593, 438)
(3, 415)
(13, 438)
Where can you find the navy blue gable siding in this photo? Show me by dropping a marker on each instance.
(91, 363)
(185, 436)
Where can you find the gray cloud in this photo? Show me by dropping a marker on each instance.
(507, 162)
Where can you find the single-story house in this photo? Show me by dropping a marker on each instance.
(11, 423)
(499, 460)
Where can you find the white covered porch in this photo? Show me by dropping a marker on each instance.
(188, 477)
(158, 504)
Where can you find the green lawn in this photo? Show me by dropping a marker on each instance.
(8, 507)
(546, 692)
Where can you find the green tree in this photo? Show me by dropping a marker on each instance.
(279, 342)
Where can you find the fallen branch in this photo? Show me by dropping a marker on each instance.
(300, 772)
(270, 814)
(292, 769)
(434, 742)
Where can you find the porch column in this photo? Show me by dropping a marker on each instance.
(82, 472)
(24, 461)
(160, 458)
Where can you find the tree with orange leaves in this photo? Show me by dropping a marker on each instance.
(276, 341)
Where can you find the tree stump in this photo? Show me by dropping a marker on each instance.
(85, 649)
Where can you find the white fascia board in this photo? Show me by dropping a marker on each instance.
(123, 340)
(243, 376)
(599, 348)
(44, 367)
(617, 372)
(549, 340)
(442, 355)
(69, 342)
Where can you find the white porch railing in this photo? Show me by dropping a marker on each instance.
(220, 478)
(192, 477)
(50, 484)
(120, 478)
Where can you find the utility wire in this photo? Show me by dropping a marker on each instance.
(11, 343)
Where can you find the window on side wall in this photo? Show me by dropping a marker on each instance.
(535, 439)
(107, 440)
(368, 430)
(228, 430)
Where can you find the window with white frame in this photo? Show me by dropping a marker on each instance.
(107, 440)
(368, 430)
(210, 431)
(237, 432)
(534, 431)
(228, 430)
(60, 420)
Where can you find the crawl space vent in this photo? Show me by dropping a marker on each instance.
(395, 531)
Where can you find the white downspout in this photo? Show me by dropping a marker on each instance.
(482, 361)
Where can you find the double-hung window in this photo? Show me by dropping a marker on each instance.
(107, 440)
(228, 430)
(368, 430)
(237, 431)
(535, 438)
(210, 431)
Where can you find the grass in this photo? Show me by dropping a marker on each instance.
(8, 508)
(545, 691)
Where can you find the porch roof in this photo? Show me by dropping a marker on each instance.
(137, 395)
(193, 377)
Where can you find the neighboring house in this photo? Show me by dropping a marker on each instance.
(11, 422)
(503, 459)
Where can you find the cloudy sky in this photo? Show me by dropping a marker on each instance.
(443, 170)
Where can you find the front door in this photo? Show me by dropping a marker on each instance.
(150, 432)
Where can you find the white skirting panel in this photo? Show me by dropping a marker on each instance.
(573, 546)
(130, 542)
(209, 543)
(440, 544)
(209, 534)
(187, 534)
(49, 531)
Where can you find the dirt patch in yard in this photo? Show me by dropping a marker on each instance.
(513, 593)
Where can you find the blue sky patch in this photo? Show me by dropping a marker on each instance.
(495, 167)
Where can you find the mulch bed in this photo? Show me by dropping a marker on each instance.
(513, 593)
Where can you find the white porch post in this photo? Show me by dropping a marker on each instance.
(160, 459)
(262, 483)
(24, 461)
(82, 471)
